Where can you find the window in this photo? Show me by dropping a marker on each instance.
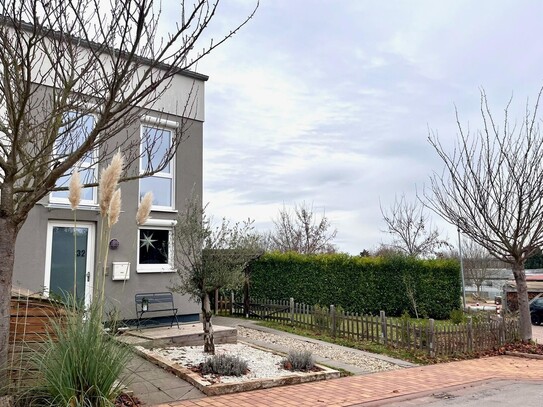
(155, 251)
(72, 135)
(156, 142)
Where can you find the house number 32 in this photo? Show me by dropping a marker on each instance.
(81, 253)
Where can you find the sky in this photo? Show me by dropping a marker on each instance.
(331, 102)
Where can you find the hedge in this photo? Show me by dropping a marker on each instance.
(365, 285)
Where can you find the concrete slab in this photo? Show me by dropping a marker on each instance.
(186, 335)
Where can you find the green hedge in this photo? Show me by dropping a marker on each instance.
(364, 285)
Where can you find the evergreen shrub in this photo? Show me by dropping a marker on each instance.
(365, 285)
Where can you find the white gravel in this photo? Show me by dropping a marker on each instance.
(262, 364)
(354, 358)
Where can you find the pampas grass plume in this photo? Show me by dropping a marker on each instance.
(74, 194)
(144, 208)
(114, 208)
(109, 178)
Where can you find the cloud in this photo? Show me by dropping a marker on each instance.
(332, 104)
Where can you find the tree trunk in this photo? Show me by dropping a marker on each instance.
(8, 235)
(209, 344)
(523, 303)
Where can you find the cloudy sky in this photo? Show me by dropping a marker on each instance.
(330, 102)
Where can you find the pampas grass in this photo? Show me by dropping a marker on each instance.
(114, 208)
(109, 178)
(74, 193)
(74, 196)
(110, 208)
(79, 364)
(144, 208)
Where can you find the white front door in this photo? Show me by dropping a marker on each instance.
(70, 260)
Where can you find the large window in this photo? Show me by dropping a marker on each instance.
(155, 252)
(71, 136)
(156, 143)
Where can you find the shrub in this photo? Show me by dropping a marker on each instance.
(320, 317)
(299, 360)
(338, 318)
(457, 316)
(364, 285)
(225, 365)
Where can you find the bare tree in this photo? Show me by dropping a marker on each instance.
(411, 230)
(491, 188)
(63, 60)
(302, 231)
(211, 257)
(479, 266)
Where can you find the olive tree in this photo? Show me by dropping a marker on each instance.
(491, 188)
(63, 60)
(209, 257)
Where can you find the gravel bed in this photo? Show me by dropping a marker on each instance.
(262, 364)
(354, 358)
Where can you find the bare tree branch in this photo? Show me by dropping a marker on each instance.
(411, 230)
(492, 189)
(63, 61)
(302, 231)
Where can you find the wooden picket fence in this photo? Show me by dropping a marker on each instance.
(476, 334)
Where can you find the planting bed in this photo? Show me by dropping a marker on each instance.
(265, 368)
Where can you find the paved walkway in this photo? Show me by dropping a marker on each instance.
(381, 388)
(157, 387)
(154, 385)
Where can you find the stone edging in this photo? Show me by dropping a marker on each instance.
(524, 355)
(217, 389)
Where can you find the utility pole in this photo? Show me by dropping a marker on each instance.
(462, 270)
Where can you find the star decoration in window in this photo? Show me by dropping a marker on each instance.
(147, 241)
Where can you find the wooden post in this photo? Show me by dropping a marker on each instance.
(384, 334)
(231, 302)
(333, 320)
(470, 334)
(430, 337)
(291, 306)
(216, 301)
(501, 330)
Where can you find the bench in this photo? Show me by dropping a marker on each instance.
(155, 302)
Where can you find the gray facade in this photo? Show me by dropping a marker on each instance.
(35, 255)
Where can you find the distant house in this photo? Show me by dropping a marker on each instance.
(140, 258)
(535, 289)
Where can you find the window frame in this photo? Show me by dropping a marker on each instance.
(81, 165)
(167, 126)
(156, 268)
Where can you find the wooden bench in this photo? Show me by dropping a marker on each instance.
(155, 302)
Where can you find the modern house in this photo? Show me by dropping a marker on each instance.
(140, 256)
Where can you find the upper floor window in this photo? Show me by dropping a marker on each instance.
(75, 131)
(155, 145)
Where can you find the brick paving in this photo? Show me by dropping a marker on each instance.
(359, 390)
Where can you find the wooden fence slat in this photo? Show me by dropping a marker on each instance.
(439, 340)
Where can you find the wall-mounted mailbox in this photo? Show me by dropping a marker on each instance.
(120, 271)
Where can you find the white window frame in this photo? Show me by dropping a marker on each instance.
(157, 268)
(169, 126)
(82, 165)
